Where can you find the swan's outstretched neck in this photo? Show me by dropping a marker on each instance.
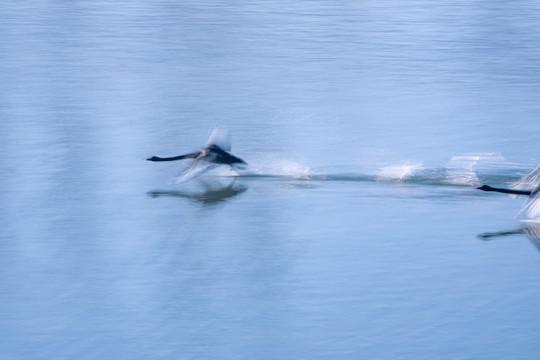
(505, 191)
(157, 158)
(180, 157)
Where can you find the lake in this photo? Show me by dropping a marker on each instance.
(356, 231)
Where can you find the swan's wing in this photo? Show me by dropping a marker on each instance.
(528, 182)
(221, 138)
(531, 209)
(197, 168)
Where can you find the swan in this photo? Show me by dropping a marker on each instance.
(216, 152)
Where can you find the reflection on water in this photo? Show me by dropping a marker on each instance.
(530, 228)
(533, 232)
(489, 235)
(209, 197)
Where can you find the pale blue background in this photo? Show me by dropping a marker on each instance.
(354, 234)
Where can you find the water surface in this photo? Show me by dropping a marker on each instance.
(356, 233)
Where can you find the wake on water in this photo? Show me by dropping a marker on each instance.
(463, 170)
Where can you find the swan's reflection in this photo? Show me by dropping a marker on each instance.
(533, 233)
(210, 196)
(529, 228)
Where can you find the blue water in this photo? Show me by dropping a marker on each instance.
(356, 232)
